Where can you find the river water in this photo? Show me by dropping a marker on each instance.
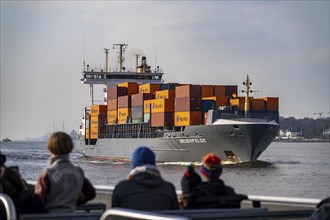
(285, 169)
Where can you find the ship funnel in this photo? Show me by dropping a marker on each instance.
(143, 68)
(143, 61)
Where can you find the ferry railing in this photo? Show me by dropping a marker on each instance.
(255, 199)
(9, 207)
(136, 214)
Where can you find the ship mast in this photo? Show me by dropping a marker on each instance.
(137, 56)
(247, 91)
(121, 58)
(106, 59)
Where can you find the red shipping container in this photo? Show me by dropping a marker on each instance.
(231, 91)
(219, 90)
(187, 104)
(162, 119)
(124, 101)
(207, 91)
(188, 91)
(114, 92)
(138, 99)
(112, 104)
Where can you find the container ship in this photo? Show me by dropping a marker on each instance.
(179, 122)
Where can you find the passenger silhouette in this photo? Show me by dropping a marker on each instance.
(189, 181)
(212, 192)
(62, 185)
(12, 184)
(144, 189)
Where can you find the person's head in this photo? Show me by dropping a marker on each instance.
(60, 143)
(211, 167)
(143, 156)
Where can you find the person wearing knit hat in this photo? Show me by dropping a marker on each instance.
(212, 192)
(144, 189)
(143, 156)
(211, 166)
(62, 185)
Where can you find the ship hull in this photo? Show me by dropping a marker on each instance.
(231, 141)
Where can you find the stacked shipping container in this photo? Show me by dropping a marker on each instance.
(167, 105)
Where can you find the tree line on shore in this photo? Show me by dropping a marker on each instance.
(309, 127)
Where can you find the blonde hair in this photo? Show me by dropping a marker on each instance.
(60, 143)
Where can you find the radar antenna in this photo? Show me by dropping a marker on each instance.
(121, 58)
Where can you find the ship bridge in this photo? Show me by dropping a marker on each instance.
(141, 74)
(99, 76)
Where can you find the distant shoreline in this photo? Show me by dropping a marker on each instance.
(303, 140)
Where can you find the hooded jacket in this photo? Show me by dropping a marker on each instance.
(214, 194)
(145, 192)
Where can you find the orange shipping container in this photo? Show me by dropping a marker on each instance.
(86, 133)
(112, 104)
(123, 113)
(112, 117)
(187, 118)
(98, 110)
(207, 90)
(272, 103)
(219, 100)
(219, 90)
(149, 88)
(132, 87)
(165, 94)
(147, 105)
(240, 102)
(98, 120)
(95, 132)
(121, 122)
(162, 105)
(258, 104)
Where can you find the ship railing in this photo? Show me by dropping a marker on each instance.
(91, 70)
(243, 118)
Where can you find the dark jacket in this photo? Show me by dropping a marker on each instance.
(145, 192)
(12, 184)
(214, 194)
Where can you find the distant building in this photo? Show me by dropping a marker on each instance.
(290, 135)
(326, 133)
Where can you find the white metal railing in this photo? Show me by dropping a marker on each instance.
(136, 214)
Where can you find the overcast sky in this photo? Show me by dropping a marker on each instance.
(282, 45)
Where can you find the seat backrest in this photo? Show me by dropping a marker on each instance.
(92, 207)
(7, 207)
(236, 213)
(62, 216)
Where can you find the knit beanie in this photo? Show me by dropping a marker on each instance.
(211, 166)
(190, 180)
(142, 156)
